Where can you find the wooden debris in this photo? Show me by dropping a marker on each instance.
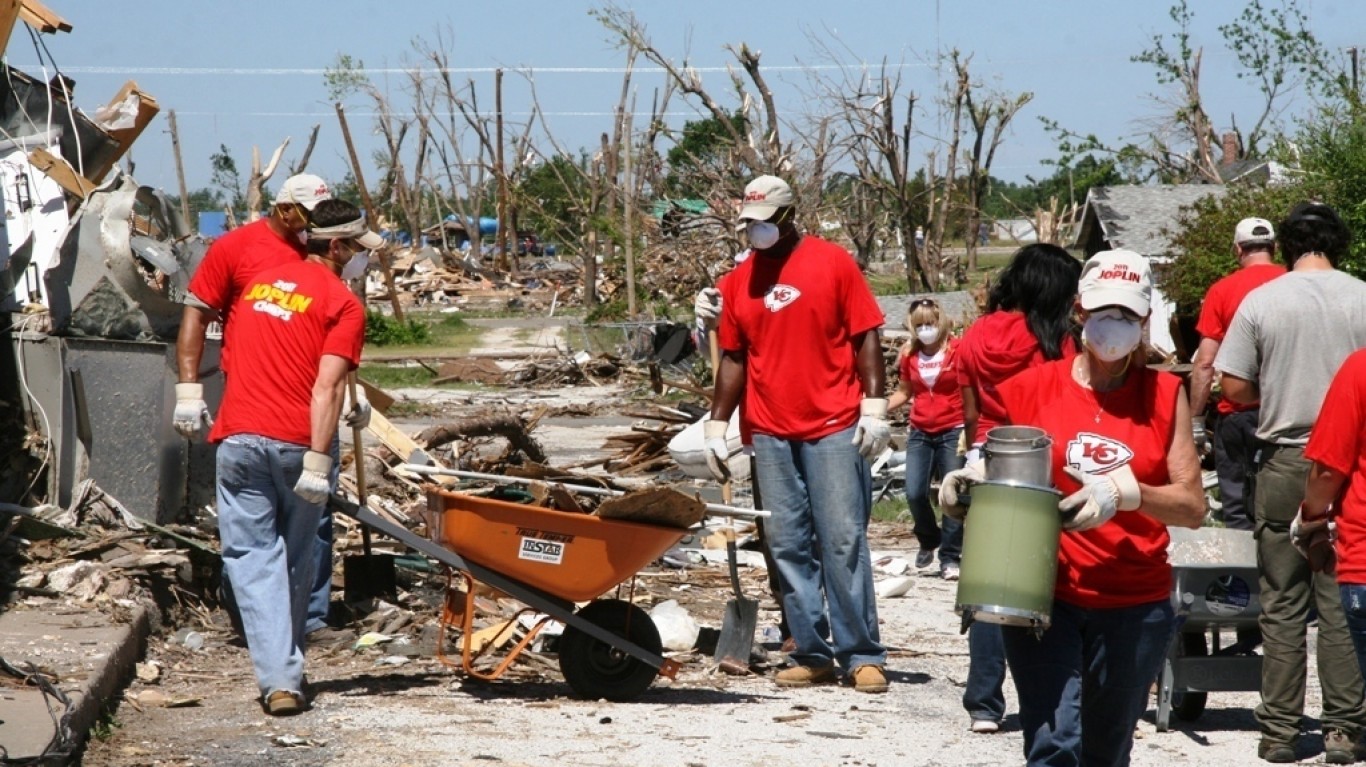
(657, 506)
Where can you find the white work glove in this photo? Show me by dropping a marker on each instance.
(1314, 540)
(1100, 496)
(873, 432)
(1203, 446)
(957, 483)
(313, 487)
(191, 416)
(357, 415)
(707, 308)
(716, 448)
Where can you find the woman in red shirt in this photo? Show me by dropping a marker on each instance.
(1127, 466)
(929, 382)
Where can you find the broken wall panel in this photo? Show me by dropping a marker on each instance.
(26, 106)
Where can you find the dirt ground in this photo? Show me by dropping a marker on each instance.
(394, 704)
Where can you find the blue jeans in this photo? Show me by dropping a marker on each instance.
(819, 493)
(1083, 686)
(928, 455)
(269, 549)
(984, 697)
(1354, 605)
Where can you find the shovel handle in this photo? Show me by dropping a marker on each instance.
(358, 463)
(729, 534)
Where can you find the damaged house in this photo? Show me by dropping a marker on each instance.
(93, 269)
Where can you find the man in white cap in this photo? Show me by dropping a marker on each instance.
(799, 340)
(300, 329)
(1286, 342)
(1235, 431)
(232, 260)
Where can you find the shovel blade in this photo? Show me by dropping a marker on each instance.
(737, 633)
(369, 576)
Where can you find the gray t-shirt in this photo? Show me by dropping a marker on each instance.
(1289, 337)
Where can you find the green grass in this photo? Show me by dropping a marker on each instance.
(387, 376)
(891, 509)
(446, 334)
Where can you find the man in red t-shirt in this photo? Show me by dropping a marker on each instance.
(300, 331)
(1235, 431)
(799, 336)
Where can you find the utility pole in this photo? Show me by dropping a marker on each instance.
(628, 203)
(1354, 54)
(180, 172)
(500, 171)
(383, 251)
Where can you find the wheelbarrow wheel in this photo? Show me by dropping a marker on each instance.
(1188, 706)
(595, 669)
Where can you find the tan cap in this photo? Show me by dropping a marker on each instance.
(764, 196)
(1116, 278)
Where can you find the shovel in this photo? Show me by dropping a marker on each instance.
(738, 623)
(368, 575)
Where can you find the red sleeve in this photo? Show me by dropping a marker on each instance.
(212, 280)
(728, 335)
(861, 310)
(967, 362)
(905, 369)
(345, 328)
(1212, 323)
(1335, 440)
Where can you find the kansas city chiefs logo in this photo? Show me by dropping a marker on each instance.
(1094, 454)
(779, 296)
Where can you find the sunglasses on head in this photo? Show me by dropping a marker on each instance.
(928, 302)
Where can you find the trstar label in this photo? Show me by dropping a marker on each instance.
(780, 296)
(1094, 454)
(537, 550)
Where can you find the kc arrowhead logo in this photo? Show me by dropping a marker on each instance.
(1094, 454)
(780, 296)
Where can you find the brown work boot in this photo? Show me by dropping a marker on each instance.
(806, 676)
(284, 703)
(869, 679)
(1276, 751)
(1338, 748)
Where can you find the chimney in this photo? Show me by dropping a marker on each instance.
(1230, 149)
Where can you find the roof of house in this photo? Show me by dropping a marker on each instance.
(1134, 217)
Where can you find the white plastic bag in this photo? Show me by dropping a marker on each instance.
(677, 629)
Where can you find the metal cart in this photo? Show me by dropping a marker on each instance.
(1214, 587)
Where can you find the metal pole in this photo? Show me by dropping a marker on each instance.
(383, 252)
(180, 172)
(628, 201)
(502, 175)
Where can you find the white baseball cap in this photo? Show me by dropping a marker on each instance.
(1116, 278)
(1251, 230)
(764, 196)
(304, 189)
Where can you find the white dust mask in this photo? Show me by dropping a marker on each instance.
(356, 266)
(927, 334)
(1110, 335)
(762, 234)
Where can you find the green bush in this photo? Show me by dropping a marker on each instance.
(383, 330)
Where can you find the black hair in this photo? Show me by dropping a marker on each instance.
(1041, 282)
(1313, 227)
(328, 213)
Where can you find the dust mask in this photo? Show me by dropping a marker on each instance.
(1110, 335)
(762, 234)
(302, 234)
(927, 334)
(356, 266)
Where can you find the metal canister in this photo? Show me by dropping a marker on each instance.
(1010, 555)
(1020, 454)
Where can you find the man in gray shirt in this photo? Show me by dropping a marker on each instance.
(1287, 340)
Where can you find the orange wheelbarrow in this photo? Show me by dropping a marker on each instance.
(549, 560)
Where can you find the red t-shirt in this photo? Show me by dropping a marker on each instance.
(994, 348)
(796, 319)
(1123, 562)
(233, 259)
(938, 408)
(287, 318)
(1338, 441)
(1221, 303)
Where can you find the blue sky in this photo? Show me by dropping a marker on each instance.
(249, 73)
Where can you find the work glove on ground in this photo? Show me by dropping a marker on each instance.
(1314, 540)
(313, 487)
(873, 432)
(191, 417)
(957, 483)
(1100, 497)
(355, 415)
(1203, 445)
(717, 449)
(707, 308)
